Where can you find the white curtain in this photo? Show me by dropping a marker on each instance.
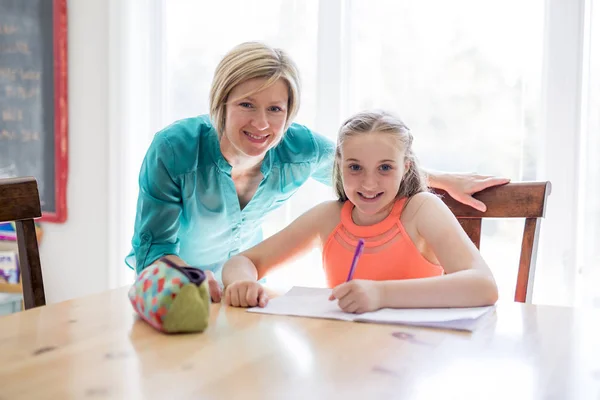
(508, 89)
(588, 249)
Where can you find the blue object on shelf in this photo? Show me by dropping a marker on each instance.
(9, 267)
(7, 231)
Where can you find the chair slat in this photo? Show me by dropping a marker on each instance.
(29, 263)
(527, 260)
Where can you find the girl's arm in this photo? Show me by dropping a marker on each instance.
(290, 243)
(468, 281)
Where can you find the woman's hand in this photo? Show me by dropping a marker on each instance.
(462, 186)
(213, 287)
(358, 296)
(246, 294)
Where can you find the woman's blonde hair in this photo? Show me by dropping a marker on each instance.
(248, 61)
(376, 122)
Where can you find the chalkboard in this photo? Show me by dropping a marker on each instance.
(33, 98)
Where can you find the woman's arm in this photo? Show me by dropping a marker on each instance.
(468, 281)
(462, 186)
(158, 212)
(158, 206)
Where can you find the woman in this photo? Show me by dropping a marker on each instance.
(207, 182)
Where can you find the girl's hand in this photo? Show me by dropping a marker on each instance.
(246, 294)
(358, 296)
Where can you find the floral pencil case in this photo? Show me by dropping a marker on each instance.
(171, 298)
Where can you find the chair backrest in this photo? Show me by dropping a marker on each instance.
(20, 202)
(514, 200)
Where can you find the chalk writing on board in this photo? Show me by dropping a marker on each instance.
(18, 47)
(12, 114)
(8, 29)
(19, 92)
(12, 74)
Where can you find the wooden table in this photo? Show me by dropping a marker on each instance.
(94, 347)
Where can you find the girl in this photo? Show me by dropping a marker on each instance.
(415, 255)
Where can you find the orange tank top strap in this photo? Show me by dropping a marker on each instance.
(398, 208)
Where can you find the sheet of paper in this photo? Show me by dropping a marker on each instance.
(313, 302)
(465, 319)
(305, 302)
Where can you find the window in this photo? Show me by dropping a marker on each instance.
(588, 250)
(491, 90)
(468, 88)
(196, 40)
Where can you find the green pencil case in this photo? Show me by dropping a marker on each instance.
(171, 298)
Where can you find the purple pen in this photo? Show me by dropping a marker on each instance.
(359, 249)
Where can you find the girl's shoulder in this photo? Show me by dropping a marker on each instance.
(326, 211)
(329, 207)
(425, 212)
(419, 203)
(326, 216)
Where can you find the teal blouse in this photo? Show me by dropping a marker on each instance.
(188, 205)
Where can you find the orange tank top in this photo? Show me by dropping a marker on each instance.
(389, 253)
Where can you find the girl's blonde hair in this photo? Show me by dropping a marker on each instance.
(248, 61)
(376, 122)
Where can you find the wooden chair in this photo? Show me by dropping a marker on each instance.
(20, 202)
(514, 200)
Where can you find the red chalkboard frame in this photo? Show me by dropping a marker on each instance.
(61, 117)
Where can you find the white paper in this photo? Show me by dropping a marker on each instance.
(315, 303)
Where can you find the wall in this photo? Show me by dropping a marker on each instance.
(74, 255)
